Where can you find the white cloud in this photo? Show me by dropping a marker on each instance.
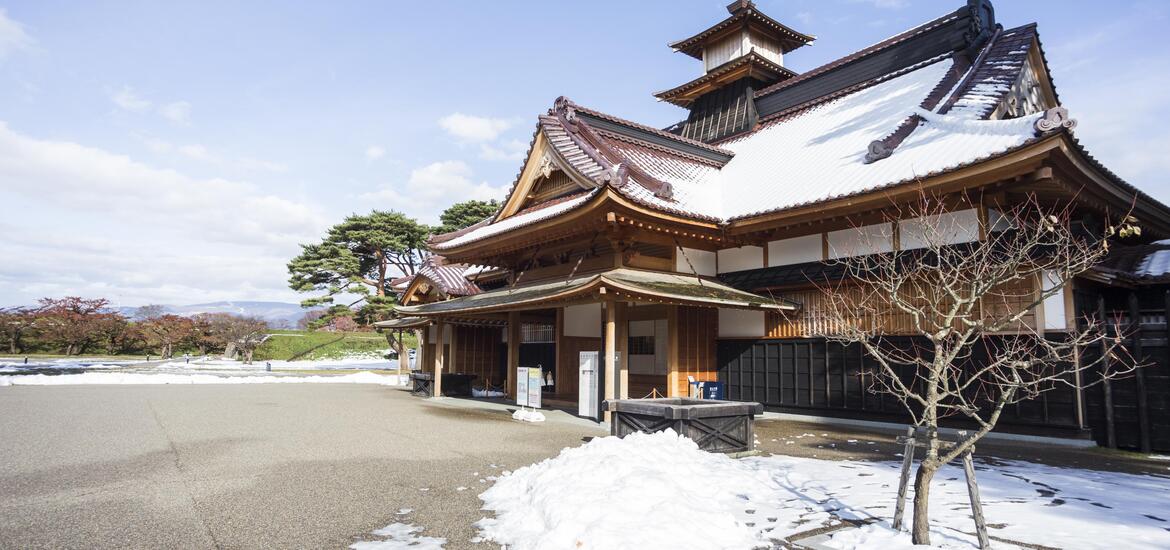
(432, 188)
(127, 99)
(375, 152)
(197, 152)
(13, 38)
(127, 230)
(156, 145)
(201, 153)
(178, 112)
(473, 128)
(509, 150)
(261, 165)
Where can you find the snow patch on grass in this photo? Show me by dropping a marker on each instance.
(114, 378)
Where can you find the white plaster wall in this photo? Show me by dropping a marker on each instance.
(724, 50)
(432, 334)
(583, 320)
(996, 221)
(739, 259)
(949, 228)
(703, 260)
(859, 241)
(1053, 305)
(796, 250)
(741, 323)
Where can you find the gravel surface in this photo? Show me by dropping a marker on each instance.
(264, 466)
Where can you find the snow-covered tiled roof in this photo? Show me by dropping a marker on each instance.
(819, 154)
(515, 221)
(1005, 60)
(450, 278)
(933, 117)
(808, 157)
(1155, 264)
(1141, 264)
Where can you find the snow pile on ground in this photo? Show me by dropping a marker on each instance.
(661, 491)
(528, 416)
(108, 378)
(401, 536)
(644, 491)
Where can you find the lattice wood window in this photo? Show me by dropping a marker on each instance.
(537, 333)
(556, 184)
(1024, 98)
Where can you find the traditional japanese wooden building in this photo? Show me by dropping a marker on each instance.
(686, 252)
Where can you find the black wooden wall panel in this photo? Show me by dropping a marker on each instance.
(816, 375)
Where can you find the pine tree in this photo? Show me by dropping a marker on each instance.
(359, 256)
(464, 214)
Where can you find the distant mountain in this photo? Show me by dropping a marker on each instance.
(278, 314)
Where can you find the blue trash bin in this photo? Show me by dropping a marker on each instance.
(713, 390)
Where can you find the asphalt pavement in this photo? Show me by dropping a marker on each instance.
(250, 466)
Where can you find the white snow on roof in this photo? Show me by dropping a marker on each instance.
(1156, 264)
(514, 222)
(816, 155)
(819, 155)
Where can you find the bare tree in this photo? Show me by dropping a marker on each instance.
(244, 335)
(969, 303)
(149, 311)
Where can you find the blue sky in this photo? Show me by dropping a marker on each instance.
(178, 152)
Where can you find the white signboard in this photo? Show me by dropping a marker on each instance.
(587, 385)
(535, 386)
(522, 386)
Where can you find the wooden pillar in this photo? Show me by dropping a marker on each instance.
(513, 352)
(1106, 385)
(672, 352)
(608, 355)
(1143, 404)
(1079, 386)
(424, 352)
(440, 338)
(454, 362)
(622, 343)
(560, 371)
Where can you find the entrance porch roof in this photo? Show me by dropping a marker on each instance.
(403, 322)
(623, 284)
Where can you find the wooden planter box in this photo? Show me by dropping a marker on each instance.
(422, 383)
(716, 426)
